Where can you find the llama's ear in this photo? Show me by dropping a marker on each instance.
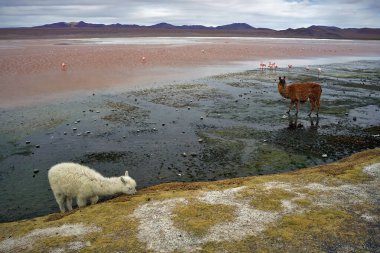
(284, 77)
(126, 173)
(122, 180)
(279, 78)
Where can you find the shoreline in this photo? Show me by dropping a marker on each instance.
(30, 71)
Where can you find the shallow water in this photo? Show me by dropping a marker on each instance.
(222, 126)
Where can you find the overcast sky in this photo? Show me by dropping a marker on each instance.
(275, 14)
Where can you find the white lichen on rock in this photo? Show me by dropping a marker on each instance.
(158, 231)
(26, 242)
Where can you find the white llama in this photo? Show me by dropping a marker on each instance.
(72, 180)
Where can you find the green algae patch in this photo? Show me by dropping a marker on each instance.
(181, 95)
(198, 217)
(269, 158)
(240, 132)
(219, 149)
(112, 156)
(125, 113)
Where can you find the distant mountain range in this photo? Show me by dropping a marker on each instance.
(82, 24)
(328, 32)
(82, 29)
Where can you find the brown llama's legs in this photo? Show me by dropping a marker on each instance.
(318, 102)
(312, 104)
(297, 106)
(290, 107)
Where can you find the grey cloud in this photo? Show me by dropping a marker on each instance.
(276, 14)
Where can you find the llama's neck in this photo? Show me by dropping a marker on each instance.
(283, 90)
(109, 186)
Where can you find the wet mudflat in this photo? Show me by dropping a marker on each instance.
(224, 126)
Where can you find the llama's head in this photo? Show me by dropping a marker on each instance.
(129, 184)
(281, 80)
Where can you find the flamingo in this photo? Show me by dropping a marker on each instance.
(272, 66)
(262, 66)
(63, 66)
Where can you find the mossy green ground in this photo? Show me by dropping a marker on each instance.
(323, 214)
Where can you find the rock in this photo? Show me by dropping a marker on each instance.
(354, 119)
(193, 154)
(27, 142)
(184, 154)
(35, 171)
(74, 129)
(200, 140)
(64, 133)
(324, 155)
(37, 146)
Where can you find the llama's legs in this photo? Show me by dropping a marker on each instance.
(94, 200)
(69, 203)
(60, 198)
(290, 107)
(312, 104)
(318, 105)
(81, 201)
(297, 107)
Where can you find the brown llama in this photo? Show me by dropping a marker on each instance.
(300, 92)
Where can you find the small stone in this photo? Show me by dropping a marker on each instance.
(35, 171)
(163, 124)
(324, 155)
(184, 154)
(200, 140)
(193, 154)
(79, 134)
(27, 142)
(124, 137)
(354, 118)
(74, 128)
(154, 129)
(88, 132)
(188, 108)
(97, 111)
(37, 146)
(64, 133)
(201, 118)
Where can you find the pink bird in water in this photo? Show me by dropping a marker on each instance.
(63, 66)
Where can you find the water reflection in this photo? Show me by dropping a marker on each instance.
(294, 124)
